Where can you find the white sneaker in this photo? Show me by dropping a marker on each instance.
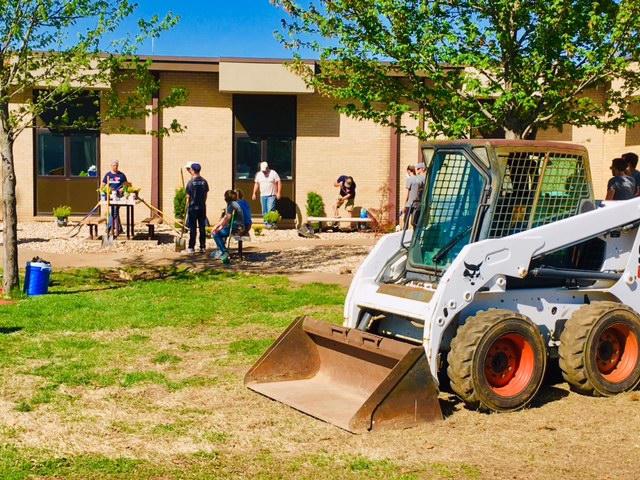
(216, 254)
(203, 250)
(189, 250)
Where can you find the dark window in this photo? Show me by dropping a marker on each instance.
(67, 137)
(265, 130)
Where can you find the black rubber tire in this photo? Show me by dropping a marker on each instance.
(599, 349)
(477, 361)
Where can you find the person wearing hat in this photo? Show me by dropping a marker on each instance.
(197, 189)
(116, 180)
(269, 183)
(346, 196)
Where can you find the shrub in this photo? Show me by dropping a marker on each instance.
(257, 229)
(62, 211)
(180, 203)
(315, 205)
(272, 217)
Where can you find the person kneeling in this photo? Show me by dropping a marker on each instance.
(232, 222)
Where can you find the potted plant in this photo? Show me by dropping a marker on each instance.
(134, 192)
(129, 191)
(104, 192)
(62, 213)
(272, 218)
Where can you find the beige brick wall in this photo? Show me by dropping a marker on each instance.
(207, 140)
(133, 152)
(23, 163)
(330, 145)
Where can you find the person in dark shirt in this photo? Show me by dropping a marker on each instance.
(621, 186)
(116, 180)
(197, 189)
(346, 196)
(632, 163)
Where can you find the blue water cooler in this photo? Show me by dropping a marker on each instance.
(36, 279)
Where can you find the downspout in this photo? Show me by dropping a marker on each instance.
(155, 148)
(394, 165)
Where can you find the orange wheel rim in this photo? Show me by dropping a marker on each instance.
(617, 353)
(509, 365)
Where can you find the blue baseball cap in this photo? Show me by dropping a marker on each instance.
(196, 167)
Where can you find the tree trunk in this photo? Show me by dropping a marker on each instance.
(11, 279)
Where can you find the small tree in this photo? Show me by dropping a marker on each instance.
(315, 205)
(180, 203)
(56, 48)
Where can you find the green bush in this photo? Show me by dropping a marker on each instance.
(272, 217)
(315, 205)
(62, 211)
(257, 229)
(179, 203)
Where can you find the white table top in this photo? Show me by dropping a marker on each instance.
(120, 202)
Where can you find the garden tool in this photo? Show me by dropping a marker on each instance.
(164, 216)
(107, 238)
(225, 257)
(181, 242)
(78, 224)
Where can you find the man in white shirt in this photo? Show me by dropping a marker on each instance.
(270, 185)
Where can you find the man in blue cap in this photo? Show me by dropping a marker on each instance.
(197, 189)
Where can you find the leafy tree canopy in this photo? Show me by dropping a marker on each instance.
(51, 53)
(516, 65)
(58, 48)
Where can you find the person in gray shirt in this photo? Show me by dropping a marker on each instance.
(632, 163)
(621, 186)
(415, 187)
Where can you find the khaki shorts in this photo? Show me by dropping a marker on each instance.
(348, 204)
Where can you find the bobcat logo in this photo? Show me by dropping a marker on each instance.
(472, 271)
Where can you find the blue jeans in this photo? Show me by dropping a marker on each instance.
(268, 203)
(114, 218)
(221, 237)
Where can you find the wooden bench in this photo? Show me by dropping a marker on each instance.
(93, 223)
(151, 223)
(240, 239)
(338, 219)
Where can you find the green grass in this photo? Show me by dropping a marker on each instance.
(21, 465)
(162, 361)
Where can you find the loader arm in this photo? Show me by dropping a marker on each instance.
(484, 265)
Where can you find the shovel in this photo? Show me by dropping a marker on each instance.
(181, 242)
(107, 239)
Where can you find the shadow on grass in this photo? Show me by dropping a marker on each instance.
(9, 330)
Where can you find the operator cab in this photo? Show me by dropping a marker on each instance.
(484, 189)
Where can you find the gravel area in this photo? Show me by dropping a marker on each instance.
(279, 249)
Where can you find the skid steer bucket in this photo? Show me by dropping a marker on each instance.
(355, 380)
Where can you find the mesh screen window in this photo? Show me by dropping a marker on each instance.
(538, 189)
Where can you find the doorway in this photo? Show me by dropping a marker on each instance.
(265, 131)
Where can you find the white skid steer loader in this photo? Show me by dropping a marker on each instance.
(510, 264)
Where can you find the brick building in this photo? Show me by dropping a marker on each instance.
(240, 112)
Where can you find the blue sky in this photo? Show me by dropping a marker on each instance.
(217, 28)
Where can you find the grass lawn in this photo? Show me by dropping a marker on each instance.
(138, 375)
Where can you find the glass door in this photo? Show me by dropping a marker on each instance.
(264, 131)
